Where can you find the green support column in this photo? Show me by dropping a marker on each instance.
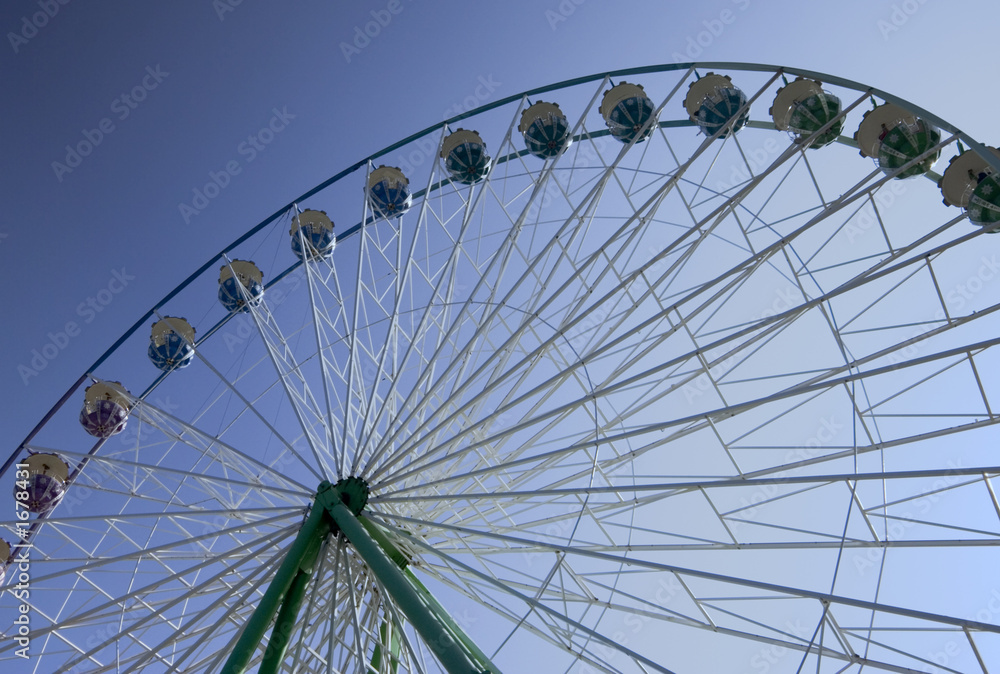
(434, 633)
(338, 508)
(380, 536)
(390, 641)
(486, 665)
(284, 624)
(301, 555)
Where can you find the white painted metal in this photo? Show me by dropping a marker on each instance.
(690, 404)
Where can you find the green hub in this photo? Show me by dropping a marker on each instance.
(353, 493)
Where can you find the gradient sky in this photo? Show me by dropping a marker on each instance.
(212, 74)
(273, 98)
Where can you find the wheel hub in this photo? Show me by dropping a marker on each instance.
(353, 492)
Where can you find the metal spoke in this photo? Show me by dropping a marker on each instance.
(703, 376)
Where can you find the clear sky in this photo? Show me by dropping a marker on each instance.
(170, 93)
(118, 116)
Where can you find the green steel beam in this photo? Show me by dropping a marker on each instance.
(338, 508)
(402, 561)
(390, 640)
(284, 625)
(485, 664)
(378, 533)
(431, 629)
(301, 557)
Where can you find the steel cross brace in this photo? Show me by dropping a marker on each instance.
(337, 508)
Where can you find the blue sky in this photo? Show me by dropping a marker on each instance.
(170, 95)
(142, 138)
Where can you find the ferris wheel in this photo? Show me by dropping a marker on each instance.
(650, 372)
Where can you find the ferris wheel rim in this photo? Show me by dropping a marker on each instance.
(991, 158)
(353, 229)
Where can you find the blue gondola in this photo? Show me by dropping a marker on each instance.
(241, 285)
(715, 105)
(545, 129)
(465, 157)
(170, 344)
(312, 236)
(388, 192)
(628, 112)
